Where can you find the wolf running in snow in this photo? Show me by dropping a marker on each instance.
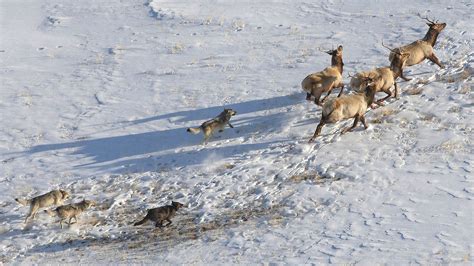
(217, 123)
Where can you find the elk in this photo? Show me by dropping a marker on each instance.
(347, 106)
(422, 49)
(384, 77)
(325, 81)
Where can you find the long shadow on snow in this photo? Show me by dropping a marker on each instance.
(256, 126)
(108, 149)
(241, 108)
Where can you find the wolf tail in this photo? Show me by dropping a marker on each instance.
(23, 201)
(194, 130)
(142, 221)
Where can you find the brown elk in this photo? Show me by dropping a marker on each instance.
(384, 77)
(347, 106)
(325, 81)
(422, 49)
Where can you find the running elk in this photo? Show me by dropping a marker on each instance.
(325, 81)
(384, 77)
(345, 107)
(422, 49)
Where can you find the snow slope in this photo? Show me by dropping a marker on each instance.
(96, 97)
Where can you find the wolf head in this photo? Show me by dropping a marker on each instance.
(64, 194)
(88, 203)
(177, 205)
(230, 112)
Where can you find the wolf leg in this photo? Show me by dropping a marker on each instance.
(207, 136)
(159, 224)
(33, 209)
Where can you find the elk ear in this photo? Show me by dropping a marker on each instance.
(339, 49)
(429, 24)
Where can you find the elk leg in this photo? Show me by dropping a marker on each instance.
(389, 94)
(403, 76)
(316, 98)
(356, 121)
(230, 125)
(342, 88)
(329, 92)
(396, 89)
(317, 132)
(362, 119)
(435, 60)
(324, 99)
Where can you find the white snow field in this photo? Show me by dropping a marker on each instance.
(96, 96)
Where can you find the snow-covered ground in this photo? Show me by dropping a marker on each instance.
(96, 96)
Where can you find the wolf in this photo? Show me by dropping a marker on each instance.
(161, 214)
(55, 197)
(217, 123)
(70, 211)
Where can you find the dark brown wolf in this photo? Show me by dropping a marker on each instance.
(161, 214)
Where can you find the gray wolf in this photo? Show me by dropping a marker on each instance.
(217, 123)
(70, 211)
(55, 197)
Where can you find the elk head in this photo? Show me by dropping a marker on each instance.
(434, 25)
(334, 52)
(336, 57)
